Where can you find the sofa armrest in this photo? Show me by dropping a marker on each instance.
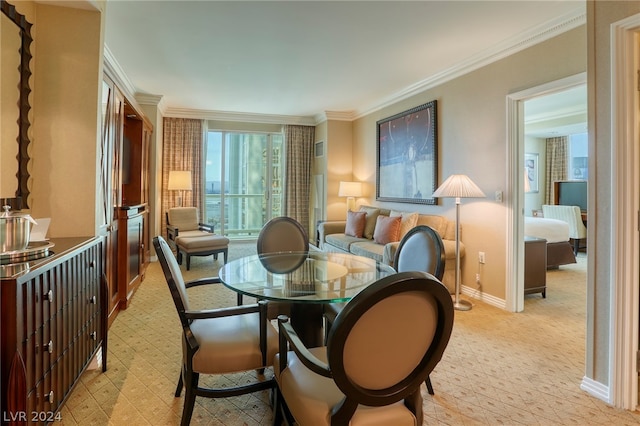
(330, 227)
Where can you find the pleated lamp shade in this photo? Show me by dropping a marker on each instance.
(458, 186)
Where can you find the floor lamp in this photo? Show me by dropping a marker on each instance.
(458, 186)
(179, 180)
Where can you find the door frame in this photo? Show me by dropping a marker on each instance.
(514, 291)
(624, 274)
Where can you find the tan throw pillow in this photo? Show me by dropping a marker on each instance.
(407, 223)
(387, 229)
(355, 223)
(372, 215)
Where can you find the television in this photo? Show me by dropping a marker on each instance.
(572, 193)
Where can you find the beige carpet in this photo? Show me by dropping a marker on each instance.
(499, 367)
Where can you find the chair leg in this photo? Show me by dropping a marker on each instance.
(239, 299)
(188, 261)
(179, 387)
(576, 246)
(191, 383)
(429, 385)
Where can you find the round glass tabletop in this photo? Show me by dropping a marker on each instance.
(305, 277)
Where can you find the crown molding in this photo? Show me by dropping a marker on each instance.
(239, 116)
(502, 50)
(116, 72)
(335, 115)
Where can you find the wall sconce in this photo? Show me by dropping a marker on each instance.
(350, 190)
(179, 180)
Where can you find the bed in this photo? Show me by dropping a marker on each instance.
(556, 232)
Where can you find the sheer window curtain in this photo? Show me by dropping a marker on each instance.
(299, 142)
(182, 147)
(556, 164)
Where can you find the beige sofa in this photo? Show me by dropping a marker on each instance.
(332, 238)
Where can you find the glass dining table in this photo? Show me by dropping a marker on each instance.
(307, 280)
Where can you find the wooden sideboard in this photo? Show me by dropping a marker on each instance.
(535, 266)
(53, 321)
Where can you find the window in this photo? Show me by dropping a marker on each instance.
(578, 156)
(243, 185)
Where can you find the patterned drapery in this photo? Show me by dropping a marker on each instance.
(299, 142)
(556, 164)
(182, 147)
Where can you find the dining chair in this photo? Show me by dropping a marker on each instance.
(281, 234)
(216, 341)
(382, 346)
(421, 249)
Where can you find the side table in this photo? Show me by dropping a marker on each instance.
(535, 266)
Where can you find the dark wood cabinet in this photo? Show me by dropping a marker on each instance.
(126, 143)
(132, 257)
(53, 321)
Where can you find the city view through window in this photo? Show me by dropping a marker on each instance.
(243, 181)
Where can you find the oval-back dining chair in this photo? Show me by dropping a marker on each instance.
(421, 249)
(382, 346)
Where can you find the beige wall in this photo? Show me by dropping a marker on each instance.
(66, 74)
(339, 166)
(600, 16)
(472, 140)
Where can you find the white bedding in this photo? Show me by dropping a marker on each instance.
(552, 230)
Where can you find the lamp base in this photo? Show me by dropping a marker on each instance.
(462, 305)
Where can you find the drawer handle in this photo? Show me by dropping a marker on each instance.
(49, 397)
(92, 300)
(92, 264)
(50, 346)
(50, 296)
(94, 335)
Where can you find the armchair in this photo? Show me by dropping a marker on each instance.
(190, 237)
(573, 216)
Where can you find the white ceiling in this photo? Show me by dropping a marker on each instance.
(304, 58)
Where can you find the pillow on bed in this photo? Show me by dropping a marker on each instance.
(355, 224)
(387, 229)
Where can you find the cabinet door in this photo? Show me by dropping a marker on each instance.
(110, 195)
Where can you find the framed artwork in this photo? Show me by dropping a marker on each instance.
(531, 183)
(319, 149)
(407, 156)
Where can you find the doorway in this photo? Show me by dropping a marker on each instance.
(517, 129)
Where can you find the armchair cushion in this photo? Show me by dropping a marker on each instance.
(184, 218)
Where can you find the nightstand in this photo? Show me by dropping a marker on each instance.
(535, 266)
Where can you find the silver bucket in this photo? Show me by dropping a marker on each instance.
(14, 231)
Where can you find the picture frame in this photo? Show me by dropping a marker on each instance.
(531, 173)
(407, 156)
(319, 149)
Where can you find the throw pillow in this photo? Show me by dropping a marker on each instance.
(408, 221)
(355, 223)
(387, 229)
(372, 215)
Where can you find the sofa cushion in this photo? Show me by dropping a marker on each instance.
(387, 229)
(355, 224)
(342, 241)
(368, 249)
(408, 221)
(372, 216)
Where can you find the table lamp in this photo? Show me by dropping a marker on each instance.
(350, 190)
(458, 186)
(179, 180)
